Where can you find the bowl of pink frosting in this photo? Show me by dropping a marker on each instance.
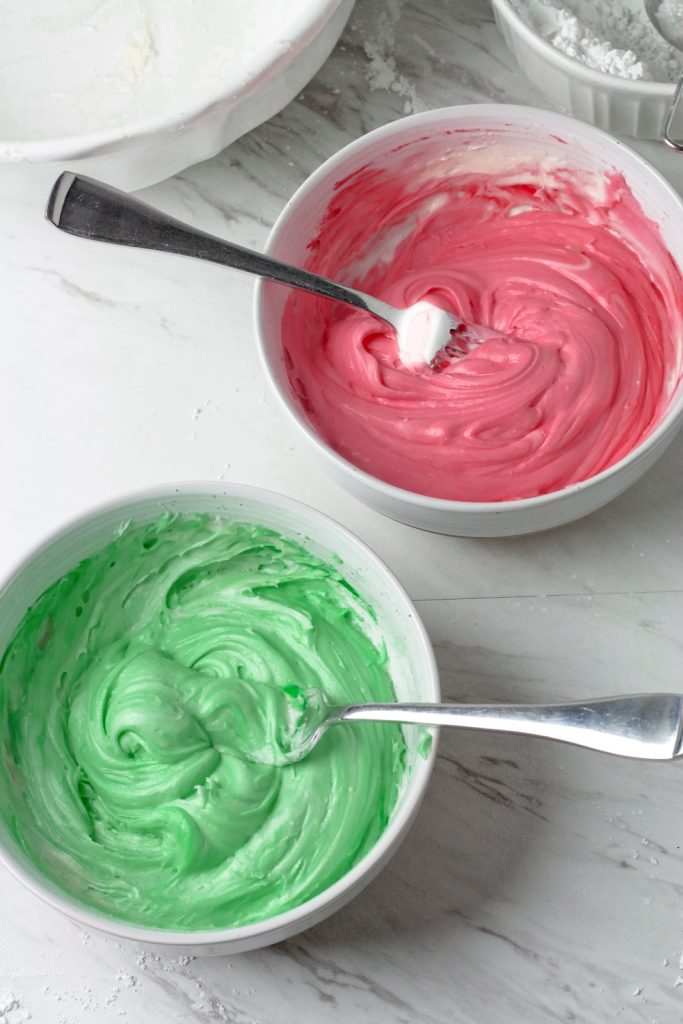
(550, 231)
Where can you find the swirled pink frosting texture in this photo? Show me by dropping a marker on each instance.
(563, 261)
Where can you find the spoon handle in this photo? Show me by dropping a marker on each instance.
(90, 209)
(646, 726)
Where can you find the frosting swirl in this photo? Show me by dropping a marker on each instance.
(564, 261)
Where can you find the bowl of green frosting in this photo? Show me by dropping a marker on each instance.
(153, 655)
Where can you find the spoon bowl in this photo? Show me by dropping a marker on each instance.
(667, 21)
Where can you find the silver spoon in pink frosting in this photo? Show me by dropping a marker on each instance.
(426, 334)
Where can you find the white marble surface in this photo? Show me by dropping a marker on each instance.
(539, 883)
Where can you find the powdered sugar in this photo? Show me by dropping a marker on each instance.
(379, 42)
(613, 36)
(11, 1010)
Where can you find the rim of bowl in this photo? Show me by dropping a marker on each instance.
(518, 114)
(386, 843)
(84, 144)
(576, 67)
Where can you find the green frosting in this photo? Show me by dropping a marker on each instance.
(145, 700)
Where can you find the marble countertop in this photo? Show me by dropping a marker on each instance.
(539, 883)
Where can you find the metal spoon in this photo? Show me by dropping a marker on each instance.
(671, 127)
(674, 38)
(645, 726)
(90, 209)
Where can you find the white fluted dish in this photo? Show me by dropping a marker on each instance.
(297, 227)
(411, 662)
(617, 105)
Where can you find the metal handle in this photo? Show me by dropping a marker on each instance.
(90, 209)
(669, 128)
(644, 725)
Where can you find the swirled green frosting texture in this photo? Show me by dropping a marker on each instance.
(135, 694)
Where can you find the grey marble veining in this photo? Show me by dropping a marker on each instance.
(539, 883)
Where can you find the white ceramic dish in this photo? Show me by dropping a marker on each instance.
(412, 665)
(617, 105)
(141, 152)
(297, 226)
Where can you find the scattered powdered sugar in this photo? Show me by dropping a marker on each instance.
(8, 1001)
(379, 43)
(11, 1010)
(613, 36)
(146, 959)
(128, 989)
(126, 980)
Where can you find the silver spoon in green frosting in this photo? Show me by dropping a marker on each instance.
(644, 726)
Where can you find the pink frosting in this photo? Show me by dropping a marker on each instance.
(565, 262)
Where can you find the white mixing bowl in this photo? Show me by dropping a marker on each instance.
(411, 660)
(142, 151)
(297, 227)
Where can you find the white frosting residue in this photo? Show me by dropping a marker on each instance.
(423, 331)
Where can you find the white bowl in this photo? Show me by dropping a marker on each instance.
(139, 153)
(619, 105)
(297, 227)
(411, 659)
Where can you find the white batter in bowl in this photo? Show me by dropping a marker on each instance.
(133, 91)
